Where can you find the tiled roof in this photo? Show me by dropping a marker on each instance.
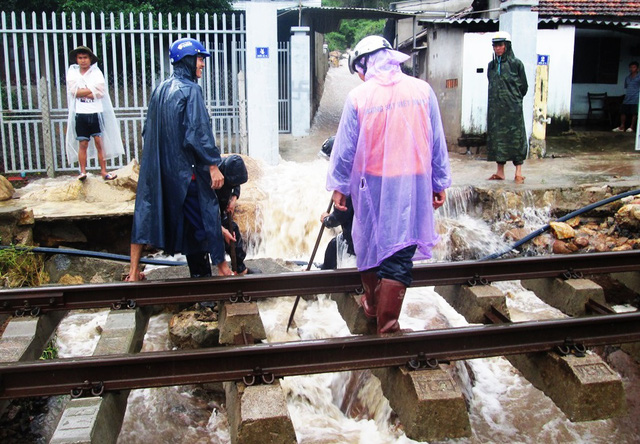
(589, 8)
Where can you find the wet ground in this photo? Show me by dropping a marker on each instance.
(582, 156)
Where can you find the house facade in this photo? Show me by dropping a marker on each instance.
(587, 46)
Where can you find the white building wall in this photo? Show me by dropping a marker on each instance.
(558, 45)
(443, 69)
(477, 53)
(262, 81)
(300, 81)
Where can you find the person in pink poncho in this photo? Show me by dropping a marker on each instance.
(390, 156)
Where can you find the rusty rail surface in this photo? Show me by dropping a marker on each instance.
(265, 362)
(258, 286)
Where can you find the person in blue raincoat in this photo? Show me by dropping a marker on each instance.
(176, 206)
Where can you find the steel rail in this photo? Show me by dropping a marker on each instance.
(260, 286)
(275, 360)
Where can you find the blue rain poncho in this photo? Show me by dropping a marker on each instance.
(390, 155)
(178, 143)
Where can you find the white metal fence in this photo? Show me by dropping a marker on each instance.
(284, 87)
(133, 55)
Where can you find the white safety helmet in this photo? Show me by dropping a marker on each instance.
(501, 36)
(367, 45)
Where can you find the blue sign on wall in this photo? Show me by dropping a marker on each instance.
(543, 59)
(262, 53)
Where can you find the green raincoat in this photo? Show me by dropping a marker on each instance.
(506, 135)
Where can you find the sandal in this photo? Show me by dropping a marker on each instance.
(519, 179)
(109, 176)
(82, 177)
(495, 177)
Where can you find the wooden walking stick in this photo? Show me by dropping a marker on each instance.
(313, 254)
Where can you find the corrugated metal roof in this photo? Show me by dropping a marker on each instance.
(348, 13)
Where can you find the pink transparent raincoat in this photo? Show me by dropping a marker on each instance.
(390, 155)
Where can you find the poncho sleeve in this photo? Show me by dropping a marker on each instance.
(441, 170)
(344, 149)
(198, 136)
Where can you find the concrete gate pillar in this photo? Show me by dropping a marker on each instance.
(300, 81)
(262, 81)
(522, 23)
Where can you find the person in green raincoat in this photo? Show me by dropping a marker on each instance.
(506, 134)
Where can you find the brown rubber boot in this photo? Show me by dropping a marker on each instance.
(390, 295)
(368, 300)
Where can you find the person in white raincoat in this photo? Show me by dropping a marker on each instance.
(92, 128)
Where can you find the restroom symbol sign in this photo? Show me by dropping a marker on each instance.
(262, 52)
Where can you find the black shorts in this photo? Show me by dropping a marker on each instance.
(87, 126)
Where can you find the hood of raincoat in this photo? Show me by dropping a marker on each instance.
(382, 64)
(186, 68)
(234, 170)
(508, 52)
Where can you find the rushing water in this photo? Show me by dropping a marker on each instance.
(349, 407)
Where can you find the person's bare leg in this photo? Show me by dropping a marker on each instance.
(519, 177)
(134, 268)
(634, 121)
(500, 170)
(623, 121)
(223, 269)
(101, 161)
(82, 155)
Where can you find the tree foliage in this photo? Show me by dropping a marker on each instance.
(352, 31)
(126, 6)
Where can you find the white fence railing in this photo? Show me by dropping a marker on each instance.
(133, 55)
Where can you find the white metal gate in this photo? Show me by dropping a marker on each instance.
(284, 87)
(133, 55)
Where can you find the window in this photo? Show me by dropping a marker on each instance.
(596, 60)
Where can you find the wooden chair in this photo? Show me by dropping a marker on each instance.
(597, 108)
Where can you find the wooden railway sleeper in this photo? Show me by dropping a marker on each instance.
(571, 348)
(258, 376)
(88, 389)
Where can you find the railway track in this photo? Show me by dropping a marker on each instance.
(253, 287)
(266, 362)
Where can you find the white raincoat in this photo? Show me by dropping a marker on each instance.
(111, 139)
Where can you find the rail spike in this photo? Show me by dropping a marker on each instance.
(28, 310)
(124, 304)
(88, 389)
(422, 362)
(258, 376)
(239, 296)
(477, 280)
(571, 348)
(572, 274)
